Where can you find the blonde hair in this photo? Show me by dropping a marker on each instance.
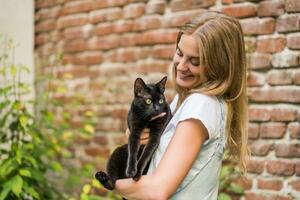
(222, 53)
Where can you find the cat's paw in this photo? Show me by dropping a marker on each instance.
(137, 176)
(131, 171)
(103, 178)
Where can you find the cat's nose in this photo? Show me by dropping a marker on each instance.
(156, 108)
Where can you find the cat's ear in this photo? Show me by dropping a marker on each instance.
(162, 84)
(139, 87)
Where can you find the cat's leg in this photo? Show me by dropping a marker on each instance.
(133, 148)
(146, 156)
(105, 180)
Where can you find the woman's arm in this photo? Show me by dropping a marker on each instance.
(174, 166)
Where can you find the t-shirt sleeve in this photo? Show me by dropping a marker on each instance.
(203, 108)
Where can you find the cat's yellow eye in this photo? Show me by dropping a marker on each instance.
(148, 101)
(160, 101)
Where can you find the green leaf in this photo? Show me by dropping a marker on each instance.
(235, 188)
(84, 197)
(4, 193)
(13, 70)
(94, 197)
(223, 196)
(86, 188)
(32, 192)
(25, 172)
(56, 166)
(17, 183)
(23, 120)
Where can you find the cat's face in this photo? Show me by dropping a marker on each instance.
(150, 97)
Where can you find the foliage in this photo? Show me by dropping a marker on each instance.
(228, 187)
(34, 141)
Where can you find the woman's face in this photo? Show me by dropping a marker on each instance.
(189, 71)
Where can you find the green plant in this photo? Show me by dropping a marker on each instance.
(26, 153)
(228, 187)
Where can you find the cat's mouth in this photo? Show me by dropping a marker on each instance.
(158, 116)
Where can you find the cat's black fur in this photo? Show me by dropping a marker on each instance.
(131, 160)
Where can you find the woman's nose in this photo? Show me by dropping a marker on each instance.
(182, 65)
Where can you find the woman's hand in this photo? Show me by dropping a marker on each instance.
(145, 135)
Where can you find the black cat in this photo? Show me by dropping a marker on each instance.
(131, 160)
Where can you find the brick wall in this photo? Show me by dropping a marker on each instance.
(108, 43)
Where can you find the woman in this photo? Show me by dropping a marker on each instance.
(209, 111)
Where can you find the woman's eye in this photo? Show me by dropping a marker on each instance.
(195, 62)
(160, 101)
(179, 53)
(148, 101)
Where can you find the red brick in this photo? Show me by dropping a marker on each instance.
(103, 43)
(288, 23)
(272, 130)
(271, 44)
(45, 3)
(295, 184)
(285, 150)
(267, 196)
(297, 168)
(291, 95)
(245, 183)
(285, 59)
(97, 151)
(259, 61)
(293, 41)
(75, 33)
(280, 168)
(255, 166)
(270, 184)
(48, 13)
(270, 8)
(253, 131)
(74, 46)
(45, 26)
(292, 5)
(241, 10)
(255, 79)
(72, 20)
(156, 7)
(100, 139)
(92, 58)
(203, 3)
(279, 77)
(260, 148)
(148, 22)
(179, 5)
(133, 10)
(163, 51)
(109, 14)
(177, 19)
(109, 3)
(103, 29)
(294, 130)
(149, 66)
(158, 36)
(122, 55)
(227, 2)
(284, 114)
(41, 39)
(123, 26)
(296, 77)
(129, 39)
(259, 113)
(77, 6)
(255, 26)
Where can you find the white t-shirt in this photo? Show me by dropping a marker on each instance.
(202, 180)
